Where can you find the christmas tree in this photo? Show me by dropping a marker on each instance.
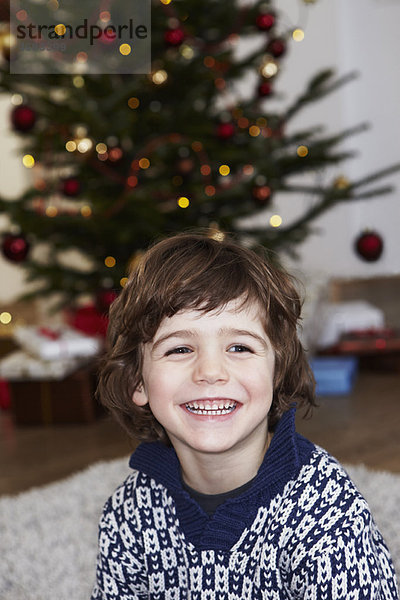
(119, 160)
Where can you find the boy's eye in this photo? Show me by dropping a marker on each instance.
(178, 350)
(239, 348)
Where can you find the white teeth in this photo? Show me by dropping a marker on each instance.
(199, 408)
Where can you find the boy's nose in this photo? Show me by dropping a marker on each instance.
(210, 369)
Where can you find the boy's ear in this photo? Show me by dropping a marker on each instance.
(139, 396)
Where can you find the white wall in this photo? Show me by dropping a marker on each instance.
(361, 35)
(13, 179)
(349, 35)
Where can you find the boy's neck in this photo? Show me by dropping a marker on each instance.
(217, 474)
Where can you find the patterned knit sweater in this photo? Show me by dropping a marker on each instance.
(302, 531)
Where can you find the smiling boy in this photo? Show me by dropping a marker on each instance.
(226, 500)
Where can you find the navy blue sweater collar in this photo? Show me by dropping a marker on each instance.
(286, 454)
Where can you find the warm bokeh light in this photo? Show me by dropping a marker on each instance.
(28, 161)
(302, 151)
(125, 49)
(5, 318)
(110, 261)
(133, 102)
(254, 131)
(51, 211)
(159, 77)
(144, 163)
(298, 35)
(275, 221)
(78, 81)
(183, 202)
(60, 29)
(86, 211)
(70, 146)
(224, 170)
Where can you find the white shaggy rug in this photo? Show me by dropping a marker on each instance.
(48, 535)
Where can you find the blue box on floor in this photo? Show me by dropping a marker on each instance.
(334, 375)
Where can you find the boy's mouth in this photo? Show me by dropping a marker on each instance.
(217, 407)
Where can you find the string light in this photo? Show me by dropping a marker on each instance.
(209, 61)
(105, 16)
(101, 148)
(132, 181)
(248, 170)
(78, 81)
(275, 221)
(254, 131)
(133, 102)
(28, 161)
(86, 211)
(183, 202)
(5, 318)
(209, 190)
(84, 145)
(60, 29)
(123, 281)
(81, 57)
(70, 146)
(22, 15)
(186, 51)
(125, 49)
(51, 211)
(298, 35)
(144, 163)
(269, 68)
(110, 262)
(165, 1)
(302, 151)
(205, 170)
(243, 123)
(224, 170)
(16, 99)
(197, 146)
(159, 77)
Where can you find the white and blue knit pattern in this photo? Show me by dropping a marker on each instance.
(313, 539)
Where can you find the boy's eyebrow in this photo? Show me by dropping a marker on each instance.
(222, 331)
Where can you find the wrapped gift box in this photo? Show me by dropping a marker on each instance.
(334, 375)
(52, 344)
(50, 392)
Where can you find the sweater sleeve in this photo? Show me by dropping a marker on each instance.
(358, 565)
(121, 569)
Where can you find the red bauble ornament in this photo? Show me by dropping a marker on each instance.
(265, 21)
(369, 246)
(261, 194)
(264, 89)
(23, 118)
(174, 37)
(15, 247)
(71, 187)
(104, 298)
(225, 131)
(276, 47)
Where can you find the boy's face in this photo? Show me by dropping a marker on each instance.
(208, 378)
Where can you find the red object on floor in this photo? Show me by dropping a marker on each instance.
(5, 399)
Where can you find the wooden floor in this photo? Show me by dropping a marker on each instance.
(363, 427)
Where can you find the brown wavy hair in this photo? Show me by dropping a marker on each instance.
(193, 271)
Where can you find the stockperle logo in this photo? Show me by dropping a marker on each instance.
(80, 36)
